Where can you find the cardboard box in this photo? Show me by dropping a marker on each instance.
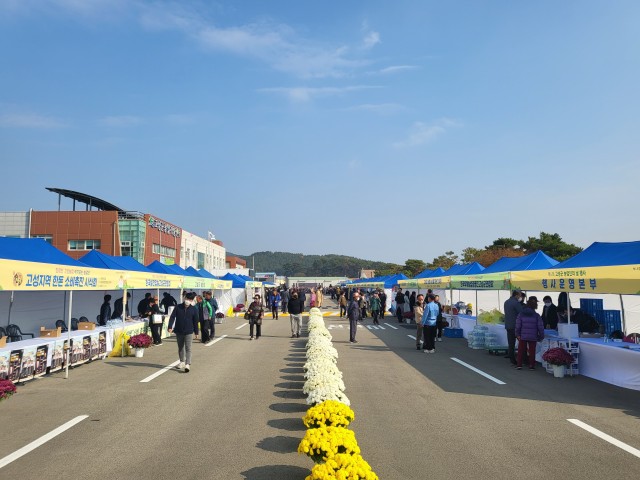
(86, 326)
(3, 342)
(50, 333)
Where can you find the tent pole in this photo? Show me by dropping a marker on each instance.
(624, 330)
(568, 310)
(66, 370)
(477, 310)
(124, 318)
(10, 307)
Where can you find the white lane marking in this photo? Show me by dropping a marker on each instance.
(381, 327)
(411, 336)
(215, 340)
(605, 437)
(40, 441)
(244, 324)
(486, 375)
(160, 372)
(389, 325)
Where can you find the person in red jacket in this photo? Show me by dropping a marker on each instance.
(529, 330)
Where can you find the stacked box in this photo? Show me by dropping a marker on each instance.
(591, 305)
(611, 320)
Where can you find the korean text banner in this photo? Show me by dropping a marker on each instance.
(33, 276)
(408, 284)
(435, 282)
(141, 280)
(367, 285)
(489, 281)
(621, 279)
(221, 284)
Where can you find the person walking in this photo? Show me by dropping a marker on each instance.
(529, 330)
(275, 304)
(418, 311)
(399, 305)
(313, 298)
(256, 312)
(184, 323)
(412, 301)
(319, 297)
(105, 311)
(303, 297)
(295, 314)
(363, 305)
(375, 308)
(342, 301)
(429, 319)
(284, 295)
(512, 307)
(383, 303)
(355, 315)
(204, 313)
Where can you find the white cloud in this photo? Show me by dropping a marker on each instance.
(29, 120)
(381, 108)
(121, 121)
(371, 39)
(305, 94)
(422, 133)
(396, 68)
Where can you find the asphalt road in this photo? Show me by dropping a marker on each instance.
(236, 415)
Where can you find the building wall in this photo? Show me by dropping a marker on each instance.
(198, 252)
(64, 227)
(14, 224)
(161, 235)
(235, 262)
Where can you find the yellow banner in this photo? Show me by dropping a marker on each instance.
(221, 284)
(435, 282)
(141, 280)
(621, 279)
(413, 283)
(33, 276)
(366, 285)
(253, 284)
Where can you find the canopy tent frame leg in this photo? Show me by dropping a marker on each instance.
(623, 321)
(66, 369)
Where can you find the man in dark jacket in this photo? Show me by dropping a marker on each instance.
(383, 303)
(549, 314)
(400, 305)
(118, 307)
(168, 301)
(512, 308)
(105, 311)
(143, 304)
(355, 315)
(184, 323)
(296, 307)
(285, 300)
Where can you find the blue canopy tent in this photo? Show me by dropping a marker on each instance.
(193, 272)
(603, 254)
(101, 260)
(203, 273)
(158, 267)
(424, 273)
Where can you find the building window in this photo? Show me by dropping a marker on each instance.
(126, 250)
(162, 250)
(46, 238)
(201, 257)
(84, 244)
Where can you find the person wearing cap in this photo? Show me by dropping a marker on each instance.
(295, 308)
(512, 307)
(529, 331)
(184, 323)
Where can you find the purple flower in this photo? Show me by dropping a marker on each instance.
(7, 388)
(142, 340)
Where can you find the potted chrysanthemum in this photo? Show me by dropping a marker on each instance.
(559, 358)
(7, 388)
(139, 343)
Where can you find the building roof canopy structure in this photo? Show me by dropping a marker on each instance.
(89, 200)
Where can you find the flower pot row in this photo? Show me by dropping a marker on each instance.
(328, 441)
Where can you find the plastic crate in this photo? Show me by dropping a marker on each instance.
(610, 319)
(591, 305)
(453, 332)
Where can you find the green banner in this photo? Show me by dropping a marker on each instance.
(489, 281)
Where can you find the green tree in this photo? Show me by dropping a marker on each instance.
(470, 254)
(448, 260)
(412, 267)
(553, 245)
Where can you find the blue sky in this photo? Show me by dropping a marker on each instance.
(384, 130)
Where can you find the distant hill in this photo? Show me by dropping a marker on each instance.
(300, 265)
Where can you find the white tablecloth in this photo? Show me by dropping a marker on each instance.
(609, 362)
